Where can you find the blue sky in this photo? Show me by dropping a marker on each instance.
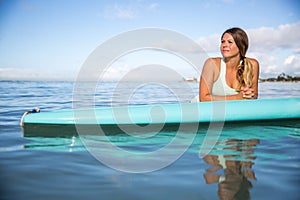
(51, 39)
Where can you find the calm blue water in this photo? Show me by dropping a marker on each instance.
(248, 162)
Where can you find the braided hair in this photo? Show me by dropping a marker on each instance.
(245, 69)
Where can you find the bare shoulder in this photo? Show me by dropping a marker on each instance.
(215, 60)
(212, 62)
(254, 62)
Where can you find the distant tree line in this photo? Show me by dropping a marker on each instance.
(282, 78)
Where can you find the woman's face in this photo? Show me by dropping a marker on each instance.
(228, 46)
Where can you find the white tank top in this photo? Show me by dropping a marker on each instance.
(220, 87)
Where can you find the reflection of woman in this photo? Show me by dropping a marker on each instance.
(234, 76)
(234, 184)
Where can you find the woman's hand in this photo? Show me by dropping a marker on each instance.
(248, 92)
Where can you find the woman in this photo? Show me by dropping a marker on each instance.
(234, 76)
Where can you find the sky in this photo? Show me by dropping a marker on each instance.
(52, 39)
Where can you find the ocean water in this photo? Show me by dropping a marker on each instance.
(247, 162)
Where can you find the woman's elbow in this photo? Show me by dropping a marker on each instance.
(204, 98)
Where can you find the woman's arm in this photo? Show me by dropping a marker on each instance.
(207, 79)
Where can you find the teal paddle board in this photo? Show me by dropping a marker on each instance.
(167, 116)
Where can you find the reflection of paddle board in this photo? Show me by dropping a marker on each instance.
(64, 122)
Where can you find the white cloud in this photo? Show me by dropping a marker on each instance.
(267, 38)
(118, 11)
(273, 67)
(128, 11)
(115, 72)
(34, 74)
(280, 44)
(289, 60)
(228, 1)
(292, 64)
(297, 51)
(210, 43)
(153, 6)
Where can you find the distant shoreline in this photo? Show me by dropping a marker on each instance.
(281, 78)
(272, 80)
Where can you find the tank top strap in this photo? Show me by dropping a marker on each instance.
(223, 71)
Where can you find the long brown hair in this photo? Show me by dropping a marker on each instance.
(245, 71)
